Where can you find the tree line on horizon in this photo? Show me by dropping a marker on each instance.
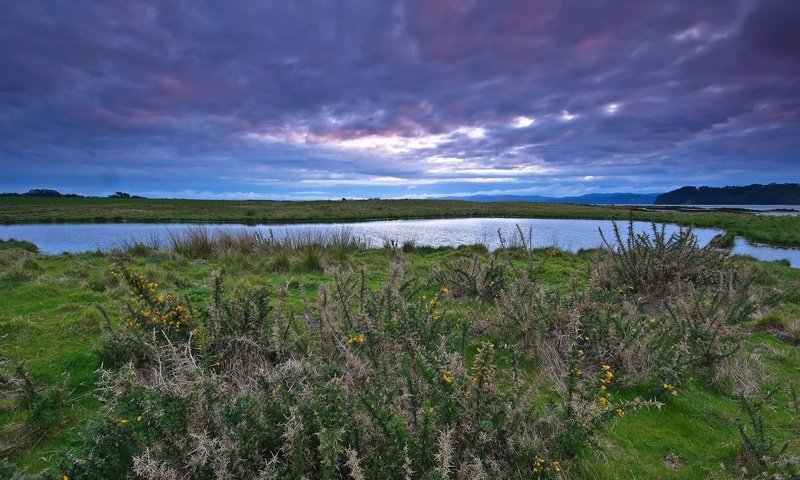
(756, 194)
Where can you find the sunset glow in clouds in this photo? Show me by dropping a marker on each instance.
(363, 98)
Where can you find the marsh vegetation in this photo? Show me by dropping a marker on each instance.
(244, 357)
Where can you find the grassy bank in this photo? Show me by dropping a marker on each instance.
(781, 231)
(337, 359)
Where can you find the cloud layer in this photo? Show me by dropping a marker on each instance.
(357, 98)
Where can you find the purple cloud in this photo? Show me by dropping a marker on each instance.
(404, 98)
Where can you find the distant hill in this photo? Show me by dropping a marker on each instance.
(46, 192)
(772, 194)
(591, 198)
(41, 192)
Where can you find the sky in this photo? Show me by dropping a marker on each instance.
(308, 99)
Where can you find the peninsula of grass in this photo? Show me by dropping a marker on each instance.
(770, 230)
(237, 357)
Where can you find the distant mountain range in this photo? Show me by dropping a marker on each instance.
(772, 194)
(588, 199)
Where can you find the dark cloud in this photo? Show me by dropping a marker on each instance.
(416, 97)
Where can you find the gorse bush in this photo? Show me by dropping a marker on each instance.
(473, 277)
(707, 318)
(650, 264)
(759, 446)
(149, 309)
(362, 382)
(20, 391)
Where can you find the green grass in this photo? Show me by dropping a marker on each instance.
(49, 320)
(698, 428)
(773, 230)
(11, 243)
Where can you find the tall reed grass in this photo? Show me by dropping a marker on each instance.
(204, 242)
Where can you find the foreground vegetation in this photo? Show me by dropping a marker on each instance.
(238, 357)
(780, 231)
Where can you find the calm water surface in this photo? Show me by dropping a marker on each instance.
(571, 235)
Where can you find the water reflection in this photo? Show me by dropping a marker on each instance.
(570, 235)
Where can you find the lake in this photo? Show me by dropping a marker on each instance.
(569, 235)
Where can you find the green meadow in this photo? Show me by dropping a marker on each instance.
(239, 357)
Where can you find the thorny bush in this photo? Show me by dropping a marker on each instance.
(360, 383)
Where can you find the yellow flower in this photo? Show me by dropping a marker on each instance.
(65, 477)
(606, 367)
(580, 352)
(356, 339)
(603, 400)
(674, 393)
(667, 386)
(603, 388)
(139, 418)
(620, 412)
(447, 378)
(123, 421)
(445, 290)
(538, 464)
(557, 466)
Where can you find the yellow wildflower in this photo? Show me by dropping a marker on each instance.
(603, 400)
(139, 418)
(557, 466)
(123, 421)
(538, 464)
(447, 378)
(620, 412)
